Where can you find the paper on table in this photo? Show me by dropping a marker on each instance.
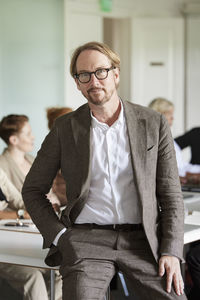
(193, 219)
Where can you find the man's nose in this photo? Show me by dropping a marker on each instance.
(93, 78)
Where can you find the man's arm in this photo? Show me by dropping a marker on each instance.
(169, 195)
(38, 183)
(172, 211)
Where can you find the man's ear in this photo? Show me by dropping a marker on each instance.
(13, 140)
(117, 75)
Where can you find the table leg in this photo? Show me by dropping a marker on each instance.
(52, 292)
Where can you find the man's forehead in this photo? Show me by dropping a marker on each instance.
(91, 58)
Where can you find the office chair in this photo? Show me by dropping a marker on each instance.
(126, 293)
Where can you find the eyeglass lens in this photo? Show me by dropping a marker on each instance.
(100, 74)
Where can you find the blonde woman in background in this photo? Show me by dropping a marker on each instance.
(166, 108)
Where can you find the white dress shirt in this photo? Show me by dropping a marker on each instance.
(112, 196)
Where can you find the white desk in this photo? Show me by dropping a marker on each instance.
(191, 233)
(192, 227)
(23, 246)
(193, 202)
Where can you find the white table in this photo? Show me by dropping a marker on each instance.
(192, 225)
(23, 246)
(192, 202)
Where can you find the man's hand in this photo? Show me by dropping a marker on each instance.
(171, 266)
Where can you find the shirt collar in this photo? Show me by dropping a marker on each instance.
(118, 122)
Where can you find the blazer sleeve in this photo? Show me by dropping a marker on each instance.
(169, 195)
(38, 183)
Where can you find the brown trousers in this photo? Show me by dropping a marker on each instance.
(91, 257)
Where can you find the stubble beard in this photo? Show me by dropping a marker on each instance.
(99, 101)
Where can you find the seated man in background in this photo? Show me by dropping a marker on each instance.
(191, 139)
(185, 169)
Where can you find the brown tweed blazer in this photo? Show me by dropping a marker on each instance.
(67, 147)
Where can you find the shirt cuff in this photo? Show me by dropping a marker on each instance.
(55, 242)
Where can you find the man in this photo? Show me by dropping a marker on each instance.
(125, 208)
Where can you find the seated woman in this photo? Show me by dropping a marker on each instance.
(15, 161)
(11, 203)
(16, 132)
(166, 108)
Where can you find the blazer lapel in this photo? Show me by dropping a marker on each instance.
(138, 144)
(81, 131)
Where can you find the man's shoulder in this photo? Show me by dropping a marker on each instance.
(195, 130)
(81, 111)
(140, 111)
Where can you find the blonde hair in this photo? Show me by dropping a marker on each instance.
(161, 105)
(103, 48)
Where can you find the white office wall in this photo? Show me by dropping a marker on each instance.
(79, 29)
(158, 63)
(31, 60)
(34, 65)
(117, 33)
(193, 72)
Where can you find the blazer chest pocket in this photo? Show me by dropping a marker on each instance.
(150, 148)
(152, 154)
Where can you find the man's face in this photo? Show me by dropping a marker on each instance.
(97, 91)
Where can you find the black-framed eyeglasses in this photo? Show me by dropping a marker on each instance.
(100, 74)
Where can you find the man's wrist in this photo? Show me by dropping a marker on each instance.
(55, 242)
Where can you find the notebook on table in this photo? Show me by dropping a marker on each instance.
(189, 187)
